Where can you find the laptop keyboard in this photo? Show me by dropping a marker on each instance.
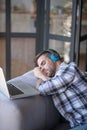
(13, 90)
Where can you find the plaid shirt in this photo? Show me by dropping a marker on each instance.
(69, 93)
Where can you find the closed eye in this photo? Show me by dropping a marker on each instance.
(43, 63)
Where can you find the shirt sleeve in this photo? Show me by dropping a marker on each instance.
(59, 82)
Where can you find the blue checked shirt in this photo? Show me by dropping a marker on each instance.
(68, 89)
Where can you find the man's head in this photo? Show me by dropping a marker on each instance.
(48, 62)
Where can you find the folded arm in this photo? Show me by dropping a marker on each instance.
(41, 77)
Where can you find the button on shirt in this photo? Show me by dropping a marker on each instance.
(69, 92)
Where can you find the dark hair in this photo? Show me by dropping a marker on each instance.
(47, 53)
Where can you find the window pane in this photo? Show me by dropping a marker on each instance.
(2, 54)
(2, 16)
(84, 19)
(60, 17)
(23, 16)
(62, 47)
(82, 56)
(22, 55)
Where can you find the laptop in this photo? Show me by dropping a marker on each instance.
(16, 89)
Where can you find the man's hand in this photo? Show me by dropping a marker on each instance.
(39, 74)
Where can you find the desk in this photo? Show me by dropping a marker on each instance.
(32, 113)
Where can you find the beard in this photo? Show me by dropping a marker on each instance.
(51, 73)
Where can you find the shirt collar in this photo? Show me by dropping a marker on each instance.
(61, 67)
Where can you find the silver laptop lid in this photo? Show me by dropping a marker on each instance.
(3, 85)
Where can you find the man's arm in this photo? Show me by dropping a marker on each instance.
(58, 82)
(41, 77)
(39, 74)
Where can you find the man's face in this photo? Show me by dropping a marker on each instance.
(46, 65)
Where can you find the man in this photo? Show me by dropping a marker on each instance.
(66, 84)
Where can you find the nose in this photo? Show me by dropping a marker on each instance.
(41, 68)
